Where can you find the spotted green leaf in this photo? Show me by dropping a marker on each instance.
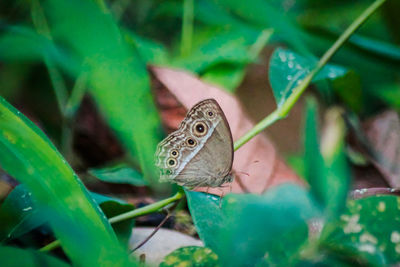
(191, 257)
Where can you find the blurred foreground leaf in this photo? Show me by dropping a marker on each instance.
(27, 155)
(255, 228)
(14, 257)
(19, 214)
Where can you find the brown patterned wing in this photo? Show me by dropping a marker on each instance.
(200, 152)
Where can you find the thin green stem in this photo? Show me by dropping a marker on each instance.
(187, 27)
(283, 110)
(147, 209)
(155, 207)
(260, 42)
(267, 121)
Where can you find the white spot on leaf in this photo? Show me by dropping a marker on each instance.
(367, 248)
(368, 238)
(381, 206)
(352, 225)
(395, 237)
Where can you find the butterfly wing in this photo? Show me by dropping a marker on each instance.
(200, 152)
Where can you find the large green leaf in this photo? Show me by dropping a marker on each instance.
(370, 226)
(19, 214)
(288, 69)
(27, 155)
(14, 257)
(254, 228)
(117, 77)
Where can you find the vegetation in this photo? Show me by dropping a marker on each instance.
(60, 60)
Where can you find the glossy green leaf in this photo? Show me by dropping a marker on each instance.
(19, 215)
(117, 77)
(288, 69)
(190, 257)
(253, 228)
(121, 174)
(370, 226)
(27, 155)
(15, 257)
(207, 216)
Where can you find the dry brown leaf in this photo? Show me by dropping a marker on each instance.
(256, 165)
(383, 135)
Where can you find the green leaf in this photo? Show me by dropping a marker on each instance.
(314, 163)
(348, 89)
(120, 174)
(24, 44)
(14, 257)
(228, 76)
(390, 94)
(190, 257)
(113, 207)
(27, 155)
(253, 227)
(288, 69)
(117, 77)
(150, 51)
(327, 172)
(264, 15)
(19, 215)
(215, 46)
(371, 227)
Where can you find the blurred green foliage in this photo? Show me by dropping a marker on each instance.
(53, 53)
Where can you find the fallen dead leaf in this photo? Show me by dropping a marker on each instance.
(257, 166)
(383, 136)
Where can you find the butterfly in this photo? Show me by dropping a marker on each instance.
(200, 152)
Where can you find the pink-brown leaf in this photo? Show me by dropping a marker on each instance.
(256, 165)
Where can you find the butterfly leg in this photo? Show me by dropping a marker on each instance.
(208, 188)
